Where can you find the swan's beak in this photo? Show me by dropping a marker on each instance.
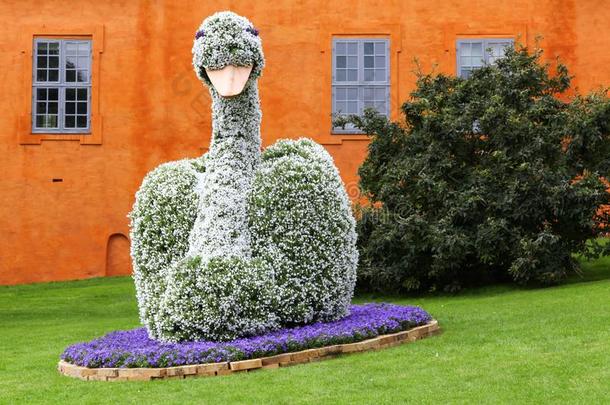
(230, 80)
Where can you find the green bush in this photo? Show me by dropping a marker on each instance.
(495, 177)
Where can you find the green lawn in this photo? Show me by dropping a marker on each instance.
(499, 344)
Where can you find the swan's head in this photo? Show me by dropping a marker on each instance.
(227, 53)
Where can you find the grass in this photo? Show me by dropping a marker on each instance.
(500, 344)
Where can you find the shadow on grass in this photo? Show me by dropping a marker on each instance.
(591, 271)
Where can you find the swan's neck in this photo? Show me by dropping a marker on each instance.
(221, 227)
(237, 117)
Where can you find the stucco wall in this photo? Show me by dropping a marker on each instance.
(150, 107)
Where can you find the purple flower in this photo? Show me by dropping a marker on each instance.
(252, 31)
(199, 34)
(133, 348)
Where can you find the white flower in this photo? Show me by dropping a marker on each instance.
(233, 244)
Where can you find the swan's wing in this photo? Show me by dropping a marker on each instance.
(301, 223)
(161, 219)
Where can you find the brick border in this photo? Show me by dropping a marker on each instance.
(279, 360)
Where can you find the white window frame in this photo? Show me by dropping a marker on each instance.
(379, 86)
(63, 86)
(487, 58)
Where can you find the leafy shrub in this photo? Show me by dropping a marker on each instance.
(494, 177)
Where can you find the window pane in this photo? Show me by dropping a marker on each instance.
(380, 106)
(42, 48)
(42, 62)
(54, 61)
(46, 121)
(379, 61)
(41, 75)
(465, 73)
(82, 94)
(491, 49)
(71, 62)
(83, 62)
(70, 108)
(369, 75)
(341, 61)
(368, 94)
(465, 49)
(369, 62)
(81, 121)
(341, 75)
(352, 75)
(341, 94)
(368, 48)
(82, 76)
(368, 104)
(497, 50)
(379, 48)
(83, 48)
(41, 121)
(380, 75)
(41, 94)
(54, 75)
(341, 107)
(352, 48)
(71, 48)
(70, 122)
(52, 107)
(477, 49)
(53, 94)
(41, 107)
(71, 75)
(502, 49)
(341, 48)
(352, 94)
(352, 62)
(380, 94)
(70, 94)
(352, 107)
(53, 48)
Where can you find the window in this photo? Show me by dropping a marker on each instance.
(61, 89)
(473, 54)
(361, 77)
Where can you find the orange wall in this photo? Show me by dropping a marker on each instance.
(150, 108)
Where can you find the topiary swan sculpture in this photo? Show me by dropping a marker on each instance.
(239, 242)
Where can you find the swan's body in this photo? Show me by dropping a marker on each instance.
(271, 240)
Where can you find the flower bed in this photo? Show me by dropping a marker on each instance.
(133, 348)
